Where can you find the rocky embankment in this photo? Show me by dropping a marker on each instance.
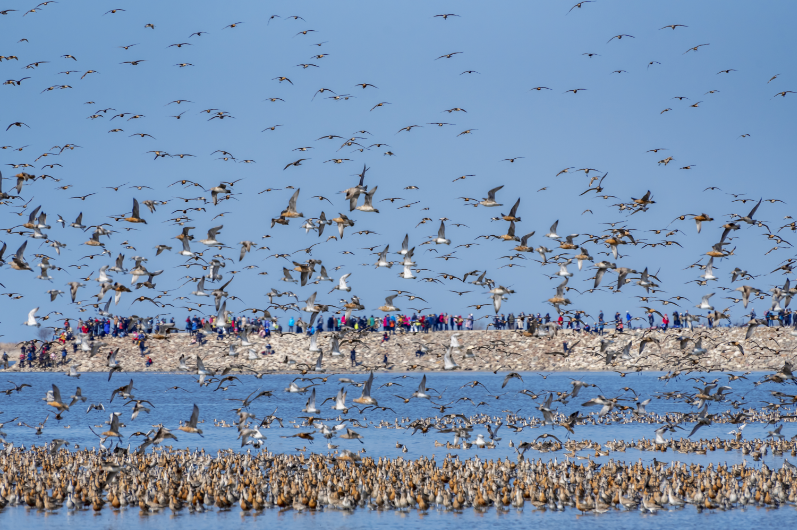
(767, 349)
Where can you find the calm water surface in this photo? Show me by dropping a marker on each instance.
(171, 406)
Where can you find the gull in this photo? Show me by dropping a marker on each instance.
(709, 274)
(776, 433)
(340, 401)
(31, 321)
(640, 406)
(644, 280)
(578, 385)
(480, 280)
(749, 217)
(661, 430)
(102, 277)
(441, 235)
(201, 370)
(541, 250)
(699, 349)
(118, 266)
(382, 260)
(704, 304)
(182, 366)
(606, 404)
(408, 258)
(552, 234)
(293, 388)
(323, 277)
(93, 348)
(45, 266)
(78, 222)
(57, 245)
(115, 367)
(448, 360)
(308, 225)
(407, 274)
(251, 434)
(200, 286)
(405, 245)
(310, 407)
(313, 347)
(490, 200)
(211, 240)
(334, 346)
(421, 392)
(342, 285)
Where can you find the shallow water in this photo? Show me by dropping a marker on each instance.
(685, 519)
(171, 406)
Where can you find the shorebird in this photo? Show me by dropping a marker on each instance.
(135, 216)
(490, 200)
(290, 211)
(389, 307)
(191, 425)
(18, 259)
(366, 398)
(367, 205)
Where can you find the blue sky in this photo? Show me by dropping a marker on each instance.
(514, 47)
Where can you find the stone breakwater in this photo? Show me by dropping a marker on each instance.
(767, 349)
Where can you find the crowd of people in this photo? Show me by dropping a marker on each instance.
(56, 351)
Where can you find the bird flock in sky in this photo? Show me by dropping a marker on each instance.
(79, 262)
